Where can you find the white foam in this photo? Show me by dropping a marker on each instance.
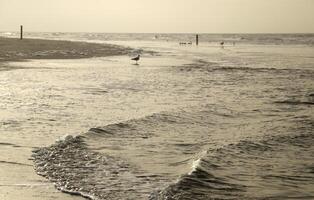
(195, 164)
(64, 138)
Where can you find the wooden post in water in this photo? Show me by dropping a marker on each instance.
(21, 33)
(196, 39)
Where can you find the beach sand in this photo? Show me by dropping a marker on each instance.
(12, 49)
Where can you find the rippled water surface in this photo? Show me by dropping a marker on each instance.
(187, 123)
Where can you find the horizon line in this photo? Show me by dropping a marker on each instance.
(230, 33)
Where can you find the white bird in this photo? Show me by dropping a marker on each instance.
(137, 58)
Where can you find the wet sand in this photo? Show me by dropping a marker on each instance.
(12, 49)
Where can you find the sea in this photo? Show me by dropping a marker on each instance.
(188, 122)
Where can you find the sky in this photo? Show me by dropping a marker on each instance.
(159, 16)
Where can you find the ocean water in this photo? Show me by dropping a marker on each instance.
(188, 122)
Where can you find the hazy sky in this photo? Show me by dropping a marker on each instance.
(193, 16)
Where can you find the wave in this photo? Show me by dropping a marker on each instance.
(294, 102)
(95, 165)
(74, 169)
(89, 166)
(307, 100)
(205, 66)
(250, 170)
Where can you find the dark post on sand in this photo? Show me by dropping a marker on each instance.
(21, 33)
(196, 39)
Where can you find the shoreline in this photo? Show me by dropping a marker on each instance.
(13, 49)
(16, 50)
(118, 158)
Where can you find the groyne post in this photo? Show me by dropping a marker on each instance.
(196, 39)
(21, 32)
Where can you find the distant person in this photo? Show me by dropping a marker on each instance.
(222, 44)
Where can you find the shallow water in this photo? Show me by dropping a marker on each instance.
(187, 123)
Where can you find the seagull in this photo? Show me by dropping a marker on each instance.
(137, 58)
